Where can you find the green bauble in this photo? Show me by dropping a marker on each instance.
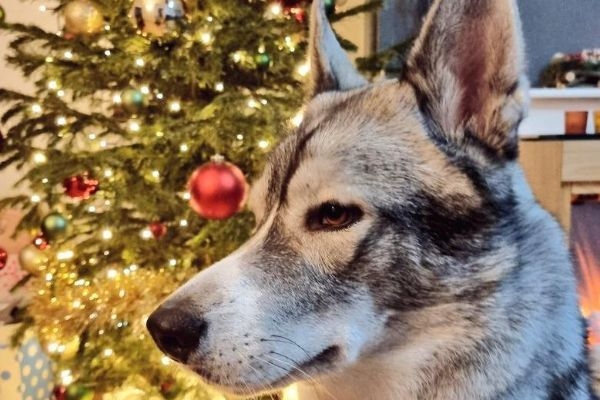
(32, 259)
(330, 7)
(134, 100)
(79, 392)
(54, 225)
(263, 61)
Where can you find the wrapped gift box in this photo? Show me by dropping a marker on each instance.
(25, 371)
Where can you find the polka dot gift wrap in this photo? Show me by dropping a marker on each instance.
(25, 371)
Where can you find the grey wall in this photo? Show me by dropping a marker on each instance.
(549, 26)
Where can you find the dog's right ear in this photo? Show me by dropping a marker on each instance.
(331, 69)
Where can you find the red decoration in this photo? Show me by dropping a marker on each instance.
(158, 229)
(218, 189)
(80, 186)
(59, 393)
(3, 258)
(298, 13)
(40, 242)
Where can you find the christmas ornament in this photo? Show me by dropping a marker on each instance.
(32, 259)
(295, 9)
(134, 100)
(3, 258)
(70, 349)
(263, 61)
(59, 393)
(80, 186)
(40, 242)
(82, 17)
(330, 7)
(218, 189)
(54, 225)
(158, 229)
(79, 392)
(157, 17)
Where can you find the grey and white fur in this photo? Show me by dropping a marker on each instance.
(399, 253)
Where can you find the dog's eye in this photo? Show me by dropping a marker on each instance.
(332, 216)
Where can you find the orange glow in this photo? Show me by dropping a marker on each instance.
(589, 291)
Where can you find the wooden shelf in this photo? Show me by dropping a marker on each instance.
(562, 138)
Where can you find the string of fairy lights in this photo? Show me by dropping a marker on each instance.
(96, 295)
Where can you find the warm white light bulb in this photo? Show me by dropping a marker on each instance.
(112, 273)
(39, 157)
(219, 87)
(36, 108)
(175, 106)
(108, 173)
(303, 69)
(139, 62)
(275, 9)
(263, 144)
(117, 99)
(146, 234)
(206, 38)
(184, 148)
(65, 255)
(35, 198)
(134, 126)
(145, 89)
(107, 234)
(52, 85)
(61, 120)
(68, 54)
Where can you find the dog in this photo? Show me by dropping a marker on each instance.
(399, 253)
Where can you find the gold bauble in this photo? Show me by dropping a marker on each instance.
(83, 17)
(157, 17)
(32, 259)
(70, 349)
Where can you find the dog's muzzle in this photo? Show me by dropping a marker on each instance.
(176, 330)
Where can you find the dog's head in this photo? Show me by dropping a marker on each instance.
(381, 218)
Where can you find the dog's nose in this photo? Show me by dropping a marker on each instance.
(176, 331)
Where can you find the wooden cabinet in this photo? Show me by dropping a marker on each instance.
(559, 169)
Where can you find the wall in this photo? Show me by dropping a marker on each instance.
(26, 12)
(550, 26)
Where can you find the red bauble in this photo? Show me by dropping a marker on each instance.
(3, 258)
(80, 186)
(59, 393)
(298, 13)
(218, 189)
(158, 229)
(40, 242)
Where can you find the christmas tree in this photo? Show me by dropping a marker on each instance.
(131, 98)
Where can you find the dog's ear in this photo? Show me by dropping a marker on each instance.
(331, 69)
(467, 69)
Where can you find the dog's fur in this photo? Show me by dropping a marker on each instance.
(452, 283)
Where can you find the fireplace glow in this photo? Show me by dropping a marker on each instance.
(585, 246)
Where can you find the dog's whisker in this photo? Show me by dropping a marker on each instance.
(265, 384)
(292, 342)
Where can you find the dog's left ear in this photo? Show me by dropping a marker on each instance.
(331, 69)
(467, 69)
